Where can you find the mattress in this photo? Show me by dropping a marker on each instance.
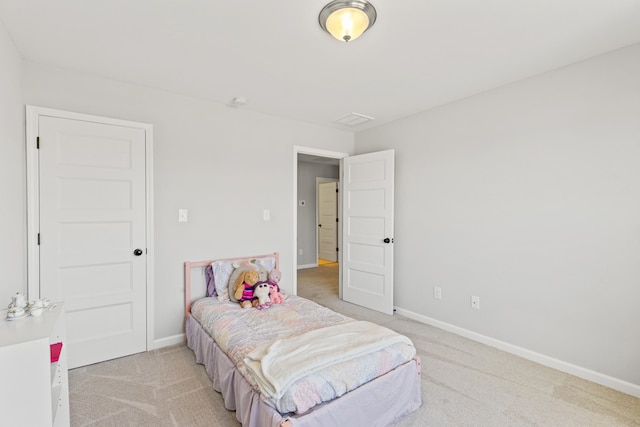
(379, 403)
(237, 332)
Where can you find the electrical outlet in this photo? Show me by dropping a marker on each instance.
(475, 302)
(437, 292)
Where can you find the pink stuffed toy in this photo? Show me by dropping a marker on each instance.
(275, 295)
(274, 289)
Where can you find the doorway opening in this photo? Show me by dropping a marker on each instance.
(317, 243)
(103, 167)
(365, 270)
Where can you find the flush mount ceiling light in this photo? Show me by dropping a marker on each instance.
(347, 20)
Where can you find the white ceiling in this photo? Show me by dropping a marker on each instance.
(419, 54)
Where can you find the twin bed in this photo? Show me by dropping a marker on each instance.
(296, 363)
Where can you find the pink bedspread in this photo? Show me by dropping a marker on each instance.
(237, 331)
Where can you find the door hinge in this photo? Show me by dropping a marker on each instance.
(37, 142)
(337, 219)
(38, 239)
(337, 249)
(336, 190)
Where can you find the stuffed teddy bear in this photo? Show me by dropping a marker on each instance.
(274, 289)
(243, 288)
(275, 275)
(238, 270)
(261, 292)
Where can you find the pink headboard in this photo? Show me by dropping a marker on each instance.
(189, 265)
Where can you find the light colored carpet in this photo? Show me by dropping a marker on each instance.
(464, 383)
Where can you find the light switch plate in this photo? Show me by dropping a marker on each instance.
(183, 215)
(266, 215)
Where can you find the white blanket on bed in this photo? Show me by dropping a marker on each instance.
(279, 364)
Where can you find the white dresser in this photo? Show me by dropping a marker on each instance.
(34, 391)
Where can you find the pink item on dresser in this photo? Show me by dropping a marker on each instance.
(55, 350)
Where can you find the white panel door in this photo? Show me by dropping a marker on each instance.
(367, 256)
(92, 221)
(327, 221)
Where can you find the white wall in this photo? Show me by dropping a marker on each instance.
(529, 197)
(307, 191)
(224, 165)
(12, 177)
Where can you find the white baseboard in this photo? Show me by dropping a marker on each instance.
(578, 371)
(300, 267)
(166, 342)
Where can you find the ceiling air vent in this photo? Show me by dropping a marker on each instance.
(353, 119)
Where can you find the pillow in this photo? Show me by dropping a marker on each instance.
(265, 265)
(221, 272)
(211, 286)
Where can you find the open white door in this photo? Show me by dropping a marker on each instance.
(367, 258)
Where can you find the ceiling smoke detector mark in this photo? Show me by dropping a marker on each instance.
(353, 119)
(238, 102)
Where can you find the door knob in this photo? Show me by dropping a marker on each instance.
(137, 252)
(387, 240)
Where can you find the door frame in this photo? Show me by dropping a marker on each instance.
(320, 180)
(320, 153)
(33, 114)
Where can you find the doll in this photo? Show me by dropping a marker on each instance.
(261, 292)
